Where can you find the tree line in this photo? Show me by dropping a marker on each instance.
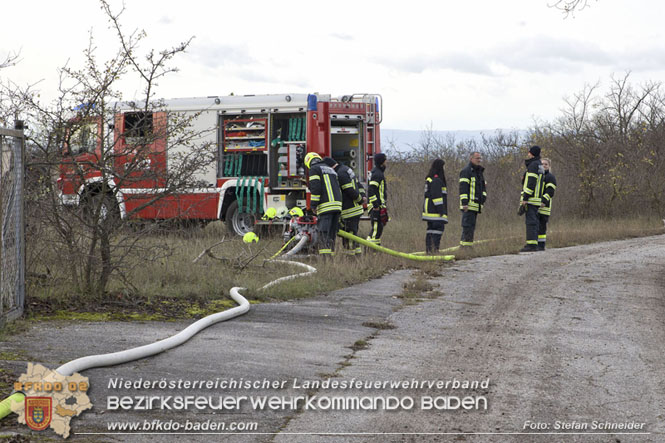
(607, 149)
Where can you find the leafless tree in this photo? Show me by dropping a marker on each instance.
(92, 243)
(10, 60)
(569, 7)
(609, 146)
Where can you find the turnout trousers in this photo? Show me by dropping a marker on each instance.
(433, 236)
(350, 225)
(542, 230)
(468, 227)
(327, 224)
(377, 228)
(531, 221)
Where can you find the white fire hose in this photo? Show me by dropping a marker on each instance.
(116, 358)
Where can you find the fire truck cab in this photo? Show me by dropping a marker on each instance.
(260, 142)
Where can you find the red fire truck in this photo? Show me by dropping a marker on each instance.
(260, 142)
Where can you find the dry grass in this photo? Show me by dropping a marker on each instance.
(180, 288)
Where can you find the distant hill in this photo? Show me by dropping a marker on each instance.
(403, 139)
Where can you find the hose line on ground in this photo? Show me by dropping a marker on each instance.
(364, 242)
(116, 358)
(283, 247)
(301, 244)
(477, 242)
(6, 404)
(451, 249)
(310, 270)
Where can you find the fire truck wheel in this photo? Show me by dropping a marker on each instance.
(240, 223)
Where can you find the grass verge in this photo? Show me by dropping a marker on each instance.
(176, 288)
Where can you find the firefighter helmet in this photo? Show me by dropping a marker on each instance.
(270, 214)
(296, 212)
(311, 156)
(250, 237)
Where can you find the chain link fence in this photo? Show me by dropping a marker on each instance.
(12, 241)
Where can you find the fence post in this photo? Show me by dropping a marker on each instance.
(12, 241)
(19, 168)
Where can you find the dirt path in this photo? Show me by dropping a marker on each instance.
(570, 336)
(573, 335)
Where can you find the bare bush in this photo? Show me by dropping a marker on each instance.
(569, 7)
(89, 244)
(609, 149)
(503, 154)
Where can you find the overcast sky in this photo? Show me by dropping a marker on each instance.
(473, 64)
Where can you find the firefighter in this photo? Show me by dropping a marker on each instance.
(353, 198)
(545, 210)
(472, 196)
(378, 215)
(435, 207)
(326, 201)
(530, 198)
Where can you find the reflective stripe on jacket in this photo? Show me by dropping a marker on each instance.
(532, 186)
(377, 188)
(352, 192)
(472, 187)
(326, 195)
(549, 186)
(435, 206)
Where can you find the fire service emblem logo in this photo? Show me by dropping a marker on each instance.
(38, 412)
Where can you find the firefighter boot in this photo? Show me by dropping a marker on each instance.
(541, 242)
(436, 239)
(429, 244)
(529, 248)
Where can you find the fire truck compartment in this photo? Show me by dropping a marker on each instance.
(346, 145)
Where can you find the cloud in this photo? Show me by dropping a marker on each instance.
(282, 78)
(237, 62)
(345, 37)
(214, 56)
(546, 54)
(417, 64)
(643, 60)
(538, 54)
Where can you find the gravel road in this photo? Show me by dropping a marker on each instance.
(569, 342)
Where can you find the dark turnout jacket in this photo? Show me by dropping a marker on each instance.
(472, 187)
(549, 186)
(435, 206)
(326, 195)
(377, 188)
(532, 183)
(352, 191)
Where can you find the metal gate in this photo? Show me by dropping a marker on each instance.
(12, 241)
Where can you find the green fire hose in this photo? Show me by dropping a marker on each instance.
(252, 208)
(6, 404)
(239, 193)
(451, 249)
(283, 247)
(364, 242)
(262, 191)
(250, 198)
